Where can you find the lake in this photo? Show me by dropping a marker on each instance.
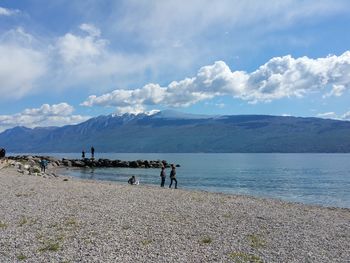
(322, 179)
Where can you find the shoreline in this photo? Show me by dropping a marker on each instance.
(194, 189)
(87, 220)
(200, 191)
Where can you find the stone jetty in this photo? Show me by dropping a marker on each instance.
(87, 163)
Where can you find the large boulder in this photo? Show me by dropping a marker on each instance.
(134, 164)
(78, 163)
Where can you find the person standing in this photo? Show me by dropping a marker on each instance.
(83, 154)
(173, 176)
(162, 176)
(43, 165)
(92, 152)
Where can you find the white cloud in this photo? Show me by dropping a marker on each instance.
(27, 64)
(333, 115)
(280, 77)
(47, 115)
(20, 68)
(337, 91)
(85, 59)
(346, 116)
(8, 12)
(91, 29)
(166, 38)
(328, 115)
(78, 49)
(166, 19)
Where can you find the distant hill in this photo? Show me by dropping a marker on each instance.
(177, 132)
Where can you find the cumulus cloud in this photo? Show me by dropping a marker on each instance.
(8, 12)
(27, 63)
(21, 64)
(47, 115)
(75, 48)
(280, 77)
(337, 91)
(85, 58)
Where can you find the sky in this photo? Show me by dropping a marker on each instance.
(65, 61)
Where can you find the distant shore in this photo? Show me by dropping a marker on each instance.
(60, 219)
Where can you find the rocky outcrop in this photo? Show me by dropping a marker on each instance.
(98, 163)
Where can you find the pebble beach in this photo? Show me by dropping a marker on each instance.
(46, 218)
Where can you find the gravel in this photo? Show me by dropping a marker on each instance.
(55, 220)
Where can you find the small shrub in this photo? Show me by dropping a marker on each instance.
(3, 225)
(227, 215)
(256, 241)
(50, 246)
(206, 240)
(60, 237)
(21, 257)
(71, 222)
(126, 227)
(241, 257)
(23, 221)
(146, 242)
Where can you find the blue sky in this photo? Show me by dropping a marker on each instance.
(62, 62)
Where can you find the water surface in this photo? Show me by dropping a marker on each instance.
(322, 179)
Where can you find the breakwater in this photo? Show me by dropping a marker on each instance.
(86, 162)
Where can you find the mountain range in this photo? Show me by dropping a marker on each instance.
(174, 132)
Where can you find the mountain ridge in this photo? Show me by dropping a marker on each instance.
(171, 131)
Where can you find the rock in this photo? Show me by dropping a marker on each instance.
(77, 163)
(66, 162)
(31, 162)
(134, 164)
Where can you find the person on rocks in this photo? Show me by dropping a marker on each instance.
(43, 165)
(92, 152)
(162, 176)
(83, 154)
(2, 153)
(132, 180)
(173, 176)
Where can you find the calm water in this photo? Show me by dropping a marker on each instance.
(322, 179)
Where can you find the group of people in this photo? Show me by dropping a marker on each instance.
(172, 176)
(92, 150)
(132, 180)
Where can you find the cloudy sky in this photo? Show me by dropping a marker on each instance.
(64, 61)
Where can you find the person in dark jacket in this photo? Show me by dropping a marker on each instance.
(2, 152)
(162, 176)
(132, 180)
(173, 176)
